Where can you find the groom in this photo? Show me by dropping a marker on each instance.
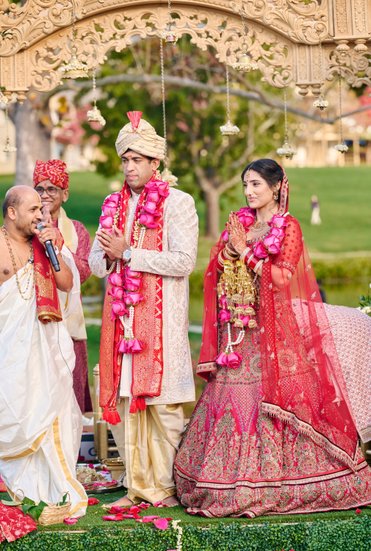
(147, 244)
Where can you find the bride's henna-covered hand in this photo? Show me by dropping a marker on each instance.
(237, 234)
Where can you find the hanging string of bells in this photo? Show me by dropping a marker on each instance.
(286, 150)
(228, 129)
(94, 114)
(320, 103)
(74, 68)
(341, 146)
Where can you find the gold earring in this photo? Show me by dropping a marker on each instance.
(276, 194)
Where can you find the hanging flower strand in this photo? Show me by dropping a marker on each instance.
(237, 294)
(126, 284)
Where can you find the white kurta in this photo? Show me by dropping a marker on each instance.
(40, 421)
(174, 263)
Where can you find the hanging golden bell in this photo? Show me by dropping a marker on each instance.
(245, 63)
(286, 150)
(321, 103)
(94, 115)
(229, 129)
(9, 148)
(341, 147)
(74, 68)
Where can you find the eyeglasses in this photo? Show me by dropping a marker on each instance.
(50, 190)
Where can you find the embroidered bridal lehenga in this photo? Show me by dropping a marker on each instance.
(275, 430)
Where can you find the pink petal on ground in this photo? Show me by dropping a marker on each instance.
(161, 523)
(93, 501)
(113, 517)
(71, 520)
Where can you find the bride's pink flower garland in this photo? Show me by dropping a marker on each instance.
(125, 283)
(269, 245)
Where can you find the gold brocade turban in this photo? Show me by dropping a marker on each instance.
(139, 136)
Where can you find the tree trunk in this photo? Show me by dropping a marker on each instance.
(32, 141)
(212, 213)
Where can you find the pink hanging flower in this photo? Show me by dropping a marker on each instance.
(150, 207)
(272, 244)
(234, 360)
(225, 236)
(131, 299)
(224, 316)
(222, 359)
(148, 220)
(109, 208)
(106, 222)
(116, 293)
(116, 279)
(132, 283)
(119, 308)
(259, 250)
(278, 221)
(113, 198)
(153, 196)
(246, 216)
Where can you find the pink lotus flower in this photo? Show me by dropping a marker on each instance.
(224, 316)
(259, 250)
(116, 293)
(70, 520)
(246, 216)
(119, 308)
(106, 222)
(131, 299)
(115, 279)
(93, 501)
(234, 360)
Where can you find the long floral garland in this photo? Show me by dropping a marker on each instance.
(126, 284)
(237, 296)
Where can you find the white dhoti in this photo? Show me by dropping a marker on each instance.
(40, 421)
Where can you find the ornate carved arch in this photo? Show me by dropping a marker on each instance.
(284, 37)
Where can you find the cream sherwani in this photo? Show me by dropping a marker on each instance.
(40, 422)
(148, 440)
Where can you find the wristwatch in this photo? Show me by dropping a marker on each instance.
(126, 255)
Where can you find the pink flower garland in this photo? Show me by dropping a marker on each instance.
(126, 284)
(270, 244)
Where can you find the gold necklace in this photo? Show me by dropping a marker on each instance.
(30, 269)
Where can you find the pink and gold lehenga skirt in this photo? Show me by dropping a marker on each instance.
(235, 460)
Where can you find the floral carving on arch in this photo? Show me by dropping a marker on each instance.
(301, 42)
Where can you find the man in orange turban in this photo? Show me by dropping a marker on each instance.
(51, 181)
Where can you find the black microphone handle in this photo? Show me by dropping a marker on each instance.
(52, 255)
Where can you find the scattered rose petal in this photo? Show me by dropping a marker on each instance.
(149, 518)
(358, 511)
(93, 501)
(113, 517)
(71, 520)
(161, 523)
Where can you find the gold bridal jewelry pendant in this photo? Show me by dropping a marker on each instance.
(27, 292)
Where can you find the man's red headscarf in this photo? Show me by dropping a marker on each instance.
(53, 170)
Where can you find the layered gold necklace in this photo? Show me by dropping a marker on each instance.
(28, 275)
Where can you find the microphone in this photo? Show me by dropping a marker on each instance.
(50, 250)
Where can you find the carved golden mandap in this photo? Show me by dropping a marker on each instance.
(293, 42)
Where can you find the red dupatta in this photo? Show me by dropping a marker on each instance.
(147, 366)
(302, 382)
(47, 302)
